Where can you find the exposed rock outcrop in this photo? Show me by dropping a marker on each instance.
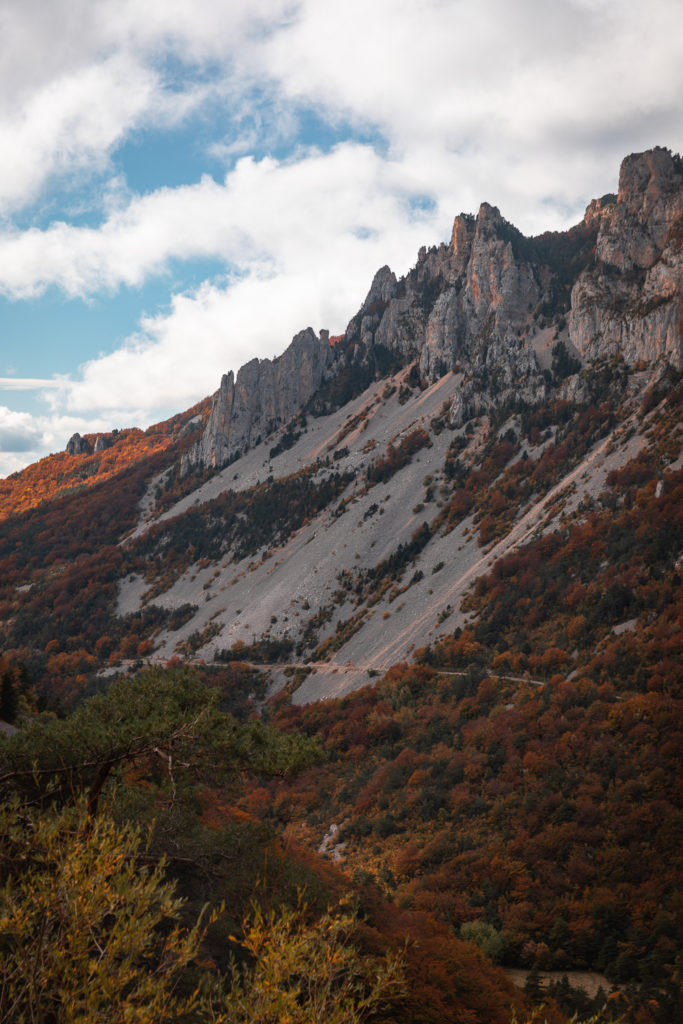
(631, 302)
(77, 445)
(265, 395)
(610, 286)
(468, 305)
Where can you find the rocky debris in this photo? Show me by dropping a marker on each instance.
(191, 425)
(631, 302)
(331, 846)
(77, 445)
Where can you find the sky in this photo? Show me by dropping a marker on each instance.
(186, 184)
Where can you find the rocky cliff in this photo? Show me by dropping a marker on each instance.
(265, 395)
(77, 445)
(631, 302)
(469, 307)
(479, 305)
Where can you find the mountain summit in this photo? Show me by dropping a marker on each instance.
(489, 304)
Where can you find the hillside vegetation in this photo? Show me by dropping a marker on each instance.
(518, 782)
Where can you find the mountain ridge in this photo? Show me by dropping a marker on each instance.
(482, 301)
(452, 409)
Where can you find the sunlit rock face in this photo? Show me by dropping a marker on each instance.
(466, 306)
(630, 302)
(77, 445)
(478, 306)
(266, 394)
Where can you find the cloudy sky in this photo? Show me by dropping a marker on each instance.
(184, 184)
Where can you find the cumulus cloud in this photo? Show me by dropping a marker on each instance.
(268, 217)
(533, 98)
(69, 125)
(78, 79)
(27, 437)
(18, 432)
(285, 275)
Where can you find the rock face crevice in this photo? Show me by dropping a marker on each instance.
(611, 286)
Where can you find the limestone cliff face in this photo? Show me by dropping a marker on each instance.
(77, 445)
(468, 305)
(265, 395)
(477, 306)
(631, 302)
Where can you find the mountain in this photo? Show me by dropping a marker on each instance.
(403, 458)
(436, 370)
(472, 500)
(485, 304)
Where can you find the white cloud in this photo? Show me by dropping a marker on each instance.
(11, 463)
(77, 78)
(489, 70)
(523, 98)
(529, 100)
(27, 437)
(26, 383)
(268, 216)
(289, 271)
(70, 125)
(18, 431)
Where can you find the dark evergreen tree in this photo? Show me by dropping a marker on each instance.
(8, 698)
